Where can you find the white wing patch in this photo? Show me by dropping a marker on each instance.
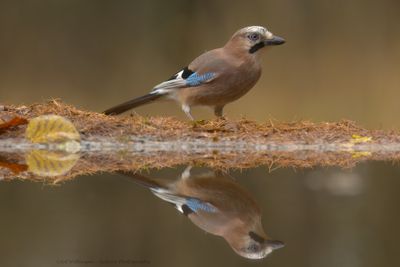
(167, 196)
(184, 78)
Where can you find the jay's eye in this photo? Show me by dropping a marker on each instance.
(253, 247)
(254, 36)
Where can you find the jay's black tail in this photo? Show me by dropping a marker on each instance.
(132, 104)
(142, 180)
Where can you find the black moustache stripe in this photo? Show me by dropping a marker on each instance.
(255, 47)
(256, 237)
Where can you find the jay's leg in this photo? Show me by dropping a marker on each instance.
(186, 109)
(218, 111)
(186, 173)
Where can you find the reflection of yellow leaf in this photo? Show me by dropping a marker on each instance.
(360, 139)
(50, 163)
(347, 146)
(360, 154)
(69, 146)
(51, 128)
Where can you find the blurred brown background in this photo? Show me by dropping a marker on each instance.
(341, 59)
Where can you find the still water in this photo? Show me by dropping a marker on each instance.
(324, 217)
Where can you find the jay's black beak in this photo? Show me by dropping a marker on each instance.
(275, 244)
(276, 40)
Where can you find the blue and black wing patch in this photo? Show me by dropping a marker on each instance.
(186, 205)
(184, 78)
(196, 204)
(184, 74)
(196, 79)
(186, 210)
(191, 77)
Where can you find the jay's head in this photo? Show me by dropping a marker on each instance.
(254, 245)
(254, 38)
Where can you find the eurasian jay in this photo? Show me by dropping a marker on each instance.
(218, 205)
(216, 77)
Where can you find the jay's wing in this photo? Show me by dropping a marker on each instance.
(183, 78)
(184, 204)
(203, 69)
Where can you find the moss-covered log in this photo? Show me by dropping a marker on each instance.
(132, 142)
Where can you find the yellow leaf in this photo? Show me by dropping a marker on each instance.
(51, 128)
(360, 154)
(360, 139)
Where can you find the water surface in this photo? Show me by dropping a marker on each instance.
(325, 217)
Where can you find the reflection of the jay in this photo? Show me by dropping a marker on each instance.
(218, 205)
